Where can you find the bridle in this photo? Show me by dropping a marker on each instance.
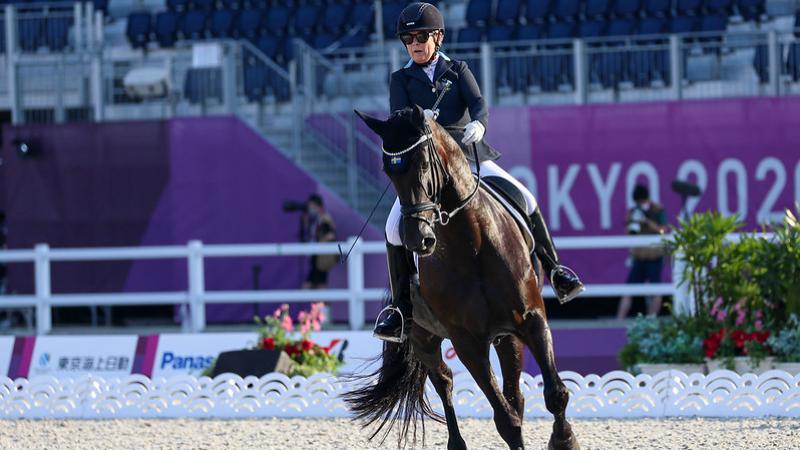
(440, 178)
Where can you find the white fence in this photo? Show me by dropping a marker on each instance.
(195, 254)
(615, 394)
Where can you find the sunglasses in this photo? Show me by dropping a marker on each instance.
(422, 38)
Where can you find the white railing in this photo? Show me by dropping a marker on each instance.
(195, 253)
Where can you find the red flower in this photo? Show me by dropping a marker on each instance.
(739, 337)
(268, 343)
(307, 345)
(712, 342)
(760, 336)
(290, 349)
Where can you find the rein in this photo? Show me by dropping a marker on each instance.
(434, 203)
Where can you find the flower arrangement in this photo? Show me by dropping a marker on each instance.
(280, 331)
(672, 340)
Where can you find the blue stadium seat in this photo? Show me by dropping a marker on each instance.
(255, 74)
(566, 9)
(221, 23)
(620, 27)
(683, 24)
(363, 16)
(684, 7)
(306, 19)
(203, 84)
(334, 19)
(657, 8)
(627, 8)
(391, 11)
(500, 33)
(751, 9)
(358, 39)
(713, 23)
(469, 35)
(507, 11)
(138, 29)
(248, 24)
(202, 5)
(719, 6)
(651, 25)
(166, 28)
(57, 33)
(478, 12)
(30, 32)
(537, 10)
(287, 51)
(269, 46)
(193, 25)
(596, 8)
(561, 30)
(591, 28)
(233, 5)
(177, 5)
(323, 40)
(277, 20)
(530, 32)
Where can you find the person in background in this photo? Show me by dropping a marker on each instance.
(645, 217)
(318, 226)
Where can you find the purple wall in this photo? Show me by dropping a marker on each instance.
(162, 183)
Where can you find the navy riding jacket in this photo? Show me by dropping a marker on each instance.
(462, 104)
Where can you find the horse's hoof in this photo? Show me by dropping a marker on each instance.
(570, 443)
(456, 444)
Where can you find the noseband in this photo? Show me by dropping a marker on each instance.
(440, 178)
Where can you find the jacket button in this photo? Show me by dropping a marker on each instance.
(433, 89)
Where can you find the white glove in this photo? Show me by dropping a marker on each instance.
(430, 115)
(473, 132)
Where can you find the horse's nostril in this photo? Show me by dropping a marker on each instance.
(429, 242)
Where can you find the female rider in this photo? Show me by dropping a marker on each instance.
(463, 113)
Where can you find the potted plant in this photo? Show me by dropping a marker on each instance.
(786, 346)
(280, 335)
(655, 345)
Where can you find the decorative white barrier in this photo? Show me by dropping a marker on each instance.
(616, 394)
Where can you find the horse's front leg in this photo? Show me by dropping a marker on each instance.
(473, 351)
(536, 334)
(427, 348)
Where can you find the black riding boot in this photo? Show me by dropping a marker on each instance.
(392, 327)
(565, 282)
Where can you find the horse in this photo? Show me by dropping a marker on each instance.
(476, 277)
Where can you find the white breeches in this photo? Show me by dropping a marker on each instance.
(488, 168)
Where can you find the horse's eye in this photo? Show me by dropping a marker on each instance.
(425, 166)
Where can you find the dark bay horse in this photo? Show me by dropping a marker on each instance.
(478, 281)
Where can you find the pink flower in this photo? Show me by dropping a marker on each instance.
(740, 316)
(716, 306)
(304, 328)
(759, 325)
(315, 325)
(277, 313)
(758, 314)
(287, 323)
(721, 314)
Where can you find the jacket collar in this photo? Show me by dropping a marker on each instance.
(415, 70)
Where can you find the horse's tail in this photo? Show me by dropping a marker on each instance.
(394, 392)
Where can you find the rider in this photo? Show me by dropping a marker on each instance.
(463, 113)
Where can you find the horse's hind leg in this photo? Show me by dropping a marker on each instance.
(509, 351)
(536, 334)
(427, 348)
(474, 353)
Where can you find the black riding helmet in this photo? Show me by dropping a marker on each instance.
(419, 16)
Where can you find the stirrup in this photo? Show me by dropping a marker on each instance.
(567, 270)
(402, 337)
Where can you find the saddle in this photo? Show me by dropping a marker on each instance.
(514, 202)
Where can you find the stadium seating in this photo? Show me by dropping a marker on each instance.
(166, 28)
(248, 24)
(537, 11)
(193, 25)
(138, 29)
(478, 13)
(203, 84)
(507, 12)
(221, 25)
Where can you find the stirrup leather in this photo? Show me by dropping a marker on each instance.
(402, 337)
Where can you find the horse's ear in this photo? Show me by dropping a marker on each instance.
(376, 125)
